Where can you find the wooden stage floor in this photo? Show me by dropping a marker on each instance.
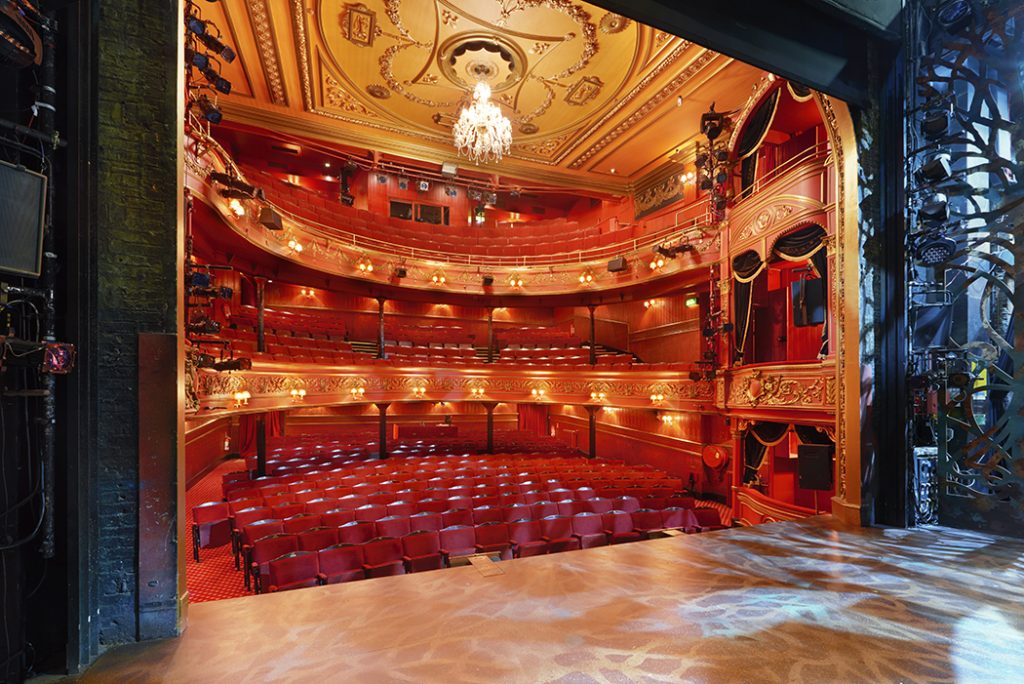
(805, 601)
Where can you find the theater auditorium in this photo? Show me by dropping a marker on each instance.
(511, 340)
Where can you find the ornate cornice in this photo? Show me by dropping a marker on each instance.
(266, 45)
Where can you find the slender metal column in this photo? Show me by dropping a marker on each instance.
(382, 445)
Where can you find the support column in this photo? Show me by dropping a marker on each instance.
(489, 406)
(261, 446)
(737, 426)
(261, 341)
(382, 446)
(592, 429)
(593, 336)
(380, 327)
(490, 335)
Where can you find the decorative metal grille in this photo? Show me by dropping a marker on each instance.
(965, 143)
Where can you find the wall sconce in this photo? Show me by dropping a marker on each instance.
(657, 261)
(648, 303)
(364, 264)
(657, 398)
(476, 392)
(307, 292)
(298, 395)
(687, 177)
(295, 246)
(587, 277)
(242, 398)
(236, 207)
(598, 396)
(515, 281)
(358, 392)
(668, 419)
(537, 393)
(438, 278)
(419, 391)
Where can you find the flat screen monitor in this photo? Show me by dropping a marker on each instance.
(22, 208)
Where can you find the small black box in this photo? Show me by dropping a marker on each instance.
(488, 280)
(270, 219)
(617, 265)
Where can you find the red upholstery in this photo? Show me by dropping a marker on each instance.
(383, 557)
(357, 532)
(618, 525)
(457, 540)
(646, 520)
(518, 512)
(341, 563)
(293, 571)
(337, 517)
(526, 539)
(486, 514)
(300, 523)
(556, 530)
(457, 517)
(425, 522)
(422, 551)
(404, 508)
(678, 519)
(211, 526)
(589, 529)
(321, 506)
(263, 551)
(492, 537)
(393, 526)
(708, 519)
(371, 512)
(599, 505)
(317, 538)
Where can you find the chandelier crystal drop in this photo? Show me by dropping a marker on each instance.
(482, 133)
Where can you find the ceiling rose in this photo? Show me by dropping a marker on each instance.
(469, 58)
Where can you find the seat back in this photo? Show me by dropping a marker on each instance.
(212, 511)
(524, 531)
(627, 503)
(458, 538)
(425, 522)
(556, 527)
(352, 501)
(618, 522)
(370, 512)
(337, 517)
(404, 508)
(321, 506)
(707, 517)
(677, 518)
(340, 558)
(587, 523)
(265, 549)
(486, 514)
(288, 510)
(518, 512)
(393, 526)
(544, 509)
(431, 505)
(381, 550)
(294, 568)
(492, 533)
(456, 517)
(317, 538)
(681, 501)
(246, 516)
(646, 519)
(422, 543)
(356, 532)
(300, 523)
(599, 504)
(260, 529)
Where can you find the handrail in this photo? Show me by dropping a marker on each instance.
(815, 152)
(679, 230)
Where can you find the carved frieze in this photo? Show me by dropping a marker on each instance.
(759, 389)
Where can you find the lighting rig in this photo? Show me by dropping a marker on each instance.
(205, 53)
(713, 161)
(712, 330)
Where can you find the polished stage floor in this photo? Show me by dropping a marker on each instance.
(788, 602)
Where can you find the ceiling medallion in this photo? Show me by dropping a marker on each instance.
(613, 23)
(378, 91)
(528, 128)
(470, 58)
(482, 132)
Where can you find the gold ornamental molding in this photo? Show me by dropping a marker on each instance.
(811, 388)
(266, 44)
(768, 509)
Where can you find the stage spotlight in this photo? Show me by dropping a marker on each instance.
(204, 327)
(955, 15)
(403, 183)
(488, 280)
(721, 176)
(220, 84)
(209, 110)
(449, 191)
(424, 186)
(934, 170)
(932, 253)
(200, 279)
(705, 183)
(960, 379)
(201, 30)
(347, 199)
(695, 376)
(210, 292)
(935, 125)
(197, 59)
(233, 183)
(727, 327)
(935, 209)
(712, 123)
(382, 178)
(240, 363)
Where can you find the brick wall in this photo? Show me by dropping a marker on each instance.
(135, 270)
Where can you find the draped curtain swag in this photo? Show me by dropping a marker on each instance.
(808, 244)
(757, 127)
(766, 434)
(745, 267)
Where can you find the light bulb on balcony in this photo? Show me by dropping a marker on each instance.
(294, 245)
(236, 207)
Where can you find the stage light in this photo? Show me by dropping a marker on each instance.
(210, 292)
(935, 125)
(705, 183)
(382, 179)
(219, 83)
(201, 30)
(935, 209)
(424, 186)
(327, 165)
(449, 191)
(587, 277)
(232, 183)
(205, 326)
(955, 15)
(241, 398)
(934, 170)
(236, 207)
(648, 303)
(197, 59)
(934, 252)
(200, 279)
(403, 183)
(491, 198)
(347, 199)
(209, 110)
(712, 123)
(721, 177)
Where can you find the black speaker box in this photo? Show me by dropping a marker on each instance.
(808, 302)
(814, 466)
(488, 280)
(22, 208)
(270, 219)
(617, 265)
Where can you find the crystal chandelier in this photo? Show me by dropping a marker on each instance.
(482, 132)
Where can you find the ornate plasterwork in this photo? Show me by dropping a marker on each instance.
(658, 195)
(766, 220)
(339, 98)
(761, 389)
(259, 16)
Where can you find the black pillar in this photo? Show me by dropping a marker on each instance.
(261, 340)
(261, 446)
(593, 336)
(489, 406)
(592, 428)
(490, 335)
(380, 327)
(382, 446)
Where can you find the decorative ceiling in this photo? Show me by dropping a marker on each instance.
(595, 99)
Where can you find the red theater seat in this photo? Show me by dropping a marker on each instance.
(422, 551)
(317, 538)
(293, 571)
(425, 522)
(527, 539)
(356, 532)
(337, 517)
(383, 557)
(211, 526)
(458, 540)
(371, 512)
(646, 520)
(492, 537)
(457, 517)
(708, 519)
(393, 526)
(618, 525)
(556, 530)
(300, 523)
(340, 563)
(677, 519)
(263, 551)
(589, 529)
(486, 514)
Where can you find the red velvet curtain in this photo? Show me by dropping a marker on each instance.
(247, 430)
(533, 418)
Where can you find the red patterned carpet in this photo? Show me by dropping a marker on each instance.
(215, 577)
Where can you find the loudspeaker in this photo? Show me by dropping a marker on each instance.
(814, 466)
(808, 302)
(270, 219)
(930, 326)
(488, 280)
(400, 272)
(22, 208)
(617, 265)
